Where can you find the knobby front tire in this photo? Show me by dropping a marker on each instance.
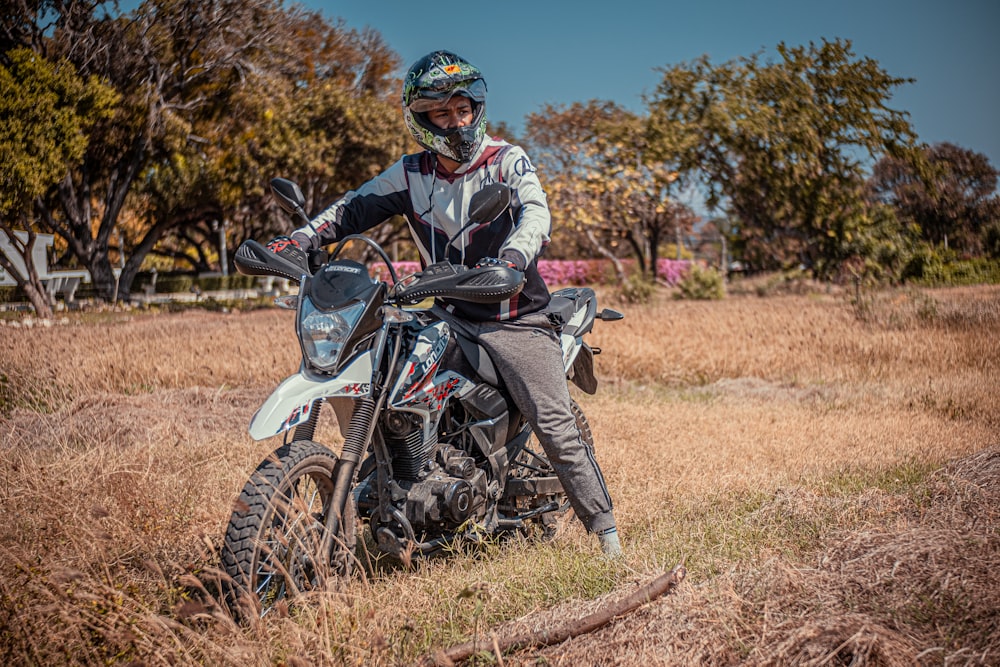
(272, 550)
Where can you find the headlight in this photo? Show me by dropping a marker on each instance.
(323, 334)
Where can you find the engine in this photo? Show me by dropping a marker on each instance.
(442, 480)
(453, 492)
(436, 485)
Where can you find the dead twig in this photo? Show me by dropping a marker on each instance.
(658, 587)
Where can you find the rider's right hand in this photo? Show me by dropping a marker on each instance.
(289, 249)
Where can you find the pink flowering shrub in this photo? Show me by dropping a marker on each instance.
(379, 271)
(671, 271)
(558, 272)
(406, 268)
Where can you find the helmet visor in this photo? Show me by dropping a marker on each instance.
(428, 99)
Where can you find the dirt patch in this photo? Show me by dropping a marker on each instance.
(765, 390)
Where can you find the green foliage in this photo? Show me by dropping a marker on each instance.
(705, 284)
(880, 251)
(934, 267)
(636, 289)
(230, 282)
(47, 112)
(779, 143)
(975, 271)
(670, 252)
(174, 284)
(205, 117)
(947, 192)
(991, 240)
(920, 262)
(612, 196)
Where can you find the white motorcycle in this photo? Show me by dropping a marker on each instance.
(431, 455)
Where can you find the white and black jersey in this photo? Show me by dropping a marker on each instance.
(435, 204)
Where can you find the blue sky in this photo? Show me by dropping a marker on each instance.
(542, 51)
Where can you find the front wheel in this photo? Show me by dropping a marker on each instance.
(274, 542)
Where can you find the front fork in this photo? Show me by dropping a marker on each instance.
(359, 432)
(343, 469)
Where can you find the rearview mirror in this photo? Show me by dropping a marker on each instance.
(289, 196)
(489, 203)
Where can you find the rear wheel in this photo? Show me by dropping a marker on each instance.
(274, 542)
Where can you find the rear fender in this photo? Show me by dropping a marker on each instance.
(578, 358)
(291, 403)
(583, 370)
(571, 338)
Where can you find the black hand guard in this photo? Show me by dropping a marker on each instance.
(487, 284)
(253, 259)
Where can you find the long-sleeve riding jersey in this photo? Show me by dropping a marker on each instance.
(435, 204)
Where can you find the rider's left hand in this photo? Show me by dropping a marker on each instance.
(494, 261)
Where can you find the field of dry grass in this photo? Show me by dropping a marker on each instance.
(827, 472)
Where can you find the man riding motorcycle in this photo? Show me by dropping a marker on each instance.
(444, 108)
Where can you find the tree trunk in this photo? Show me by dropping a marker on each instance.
(634, 240)
(74, 225)
(30, 284)
(138, 255)
(39, 298)
(654, 251)
(599, 247)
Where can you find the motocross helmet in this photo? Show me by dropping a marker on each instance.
(430, 83)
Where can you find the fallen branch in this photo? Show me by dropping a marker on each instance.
(662, 585)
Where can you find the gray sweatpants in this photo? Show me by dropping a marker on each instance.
(528, 357)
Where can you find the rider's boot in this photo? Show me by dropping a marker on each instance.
(611, 546)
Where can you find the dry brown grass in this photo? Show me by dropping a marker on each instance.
(917, 583)
(789, 450)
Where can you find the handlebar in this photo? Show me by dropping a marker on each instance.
(485, 284)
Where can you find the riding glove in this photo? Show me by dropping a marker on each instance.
(289, 249)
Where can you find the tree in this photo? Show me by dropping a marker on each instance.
(953, 201)
(782, 145)
(179, 151)
(343, 126)
(158, 62)
(601, 182)
(306, 112)
(47, 113)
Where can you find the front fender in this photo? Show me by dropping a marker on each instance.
(291, 403)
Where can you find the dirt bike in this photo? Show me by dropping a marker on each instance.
(431, 456)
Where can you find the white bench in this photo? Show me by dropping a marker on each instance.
(66, 282)
(55, 282)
